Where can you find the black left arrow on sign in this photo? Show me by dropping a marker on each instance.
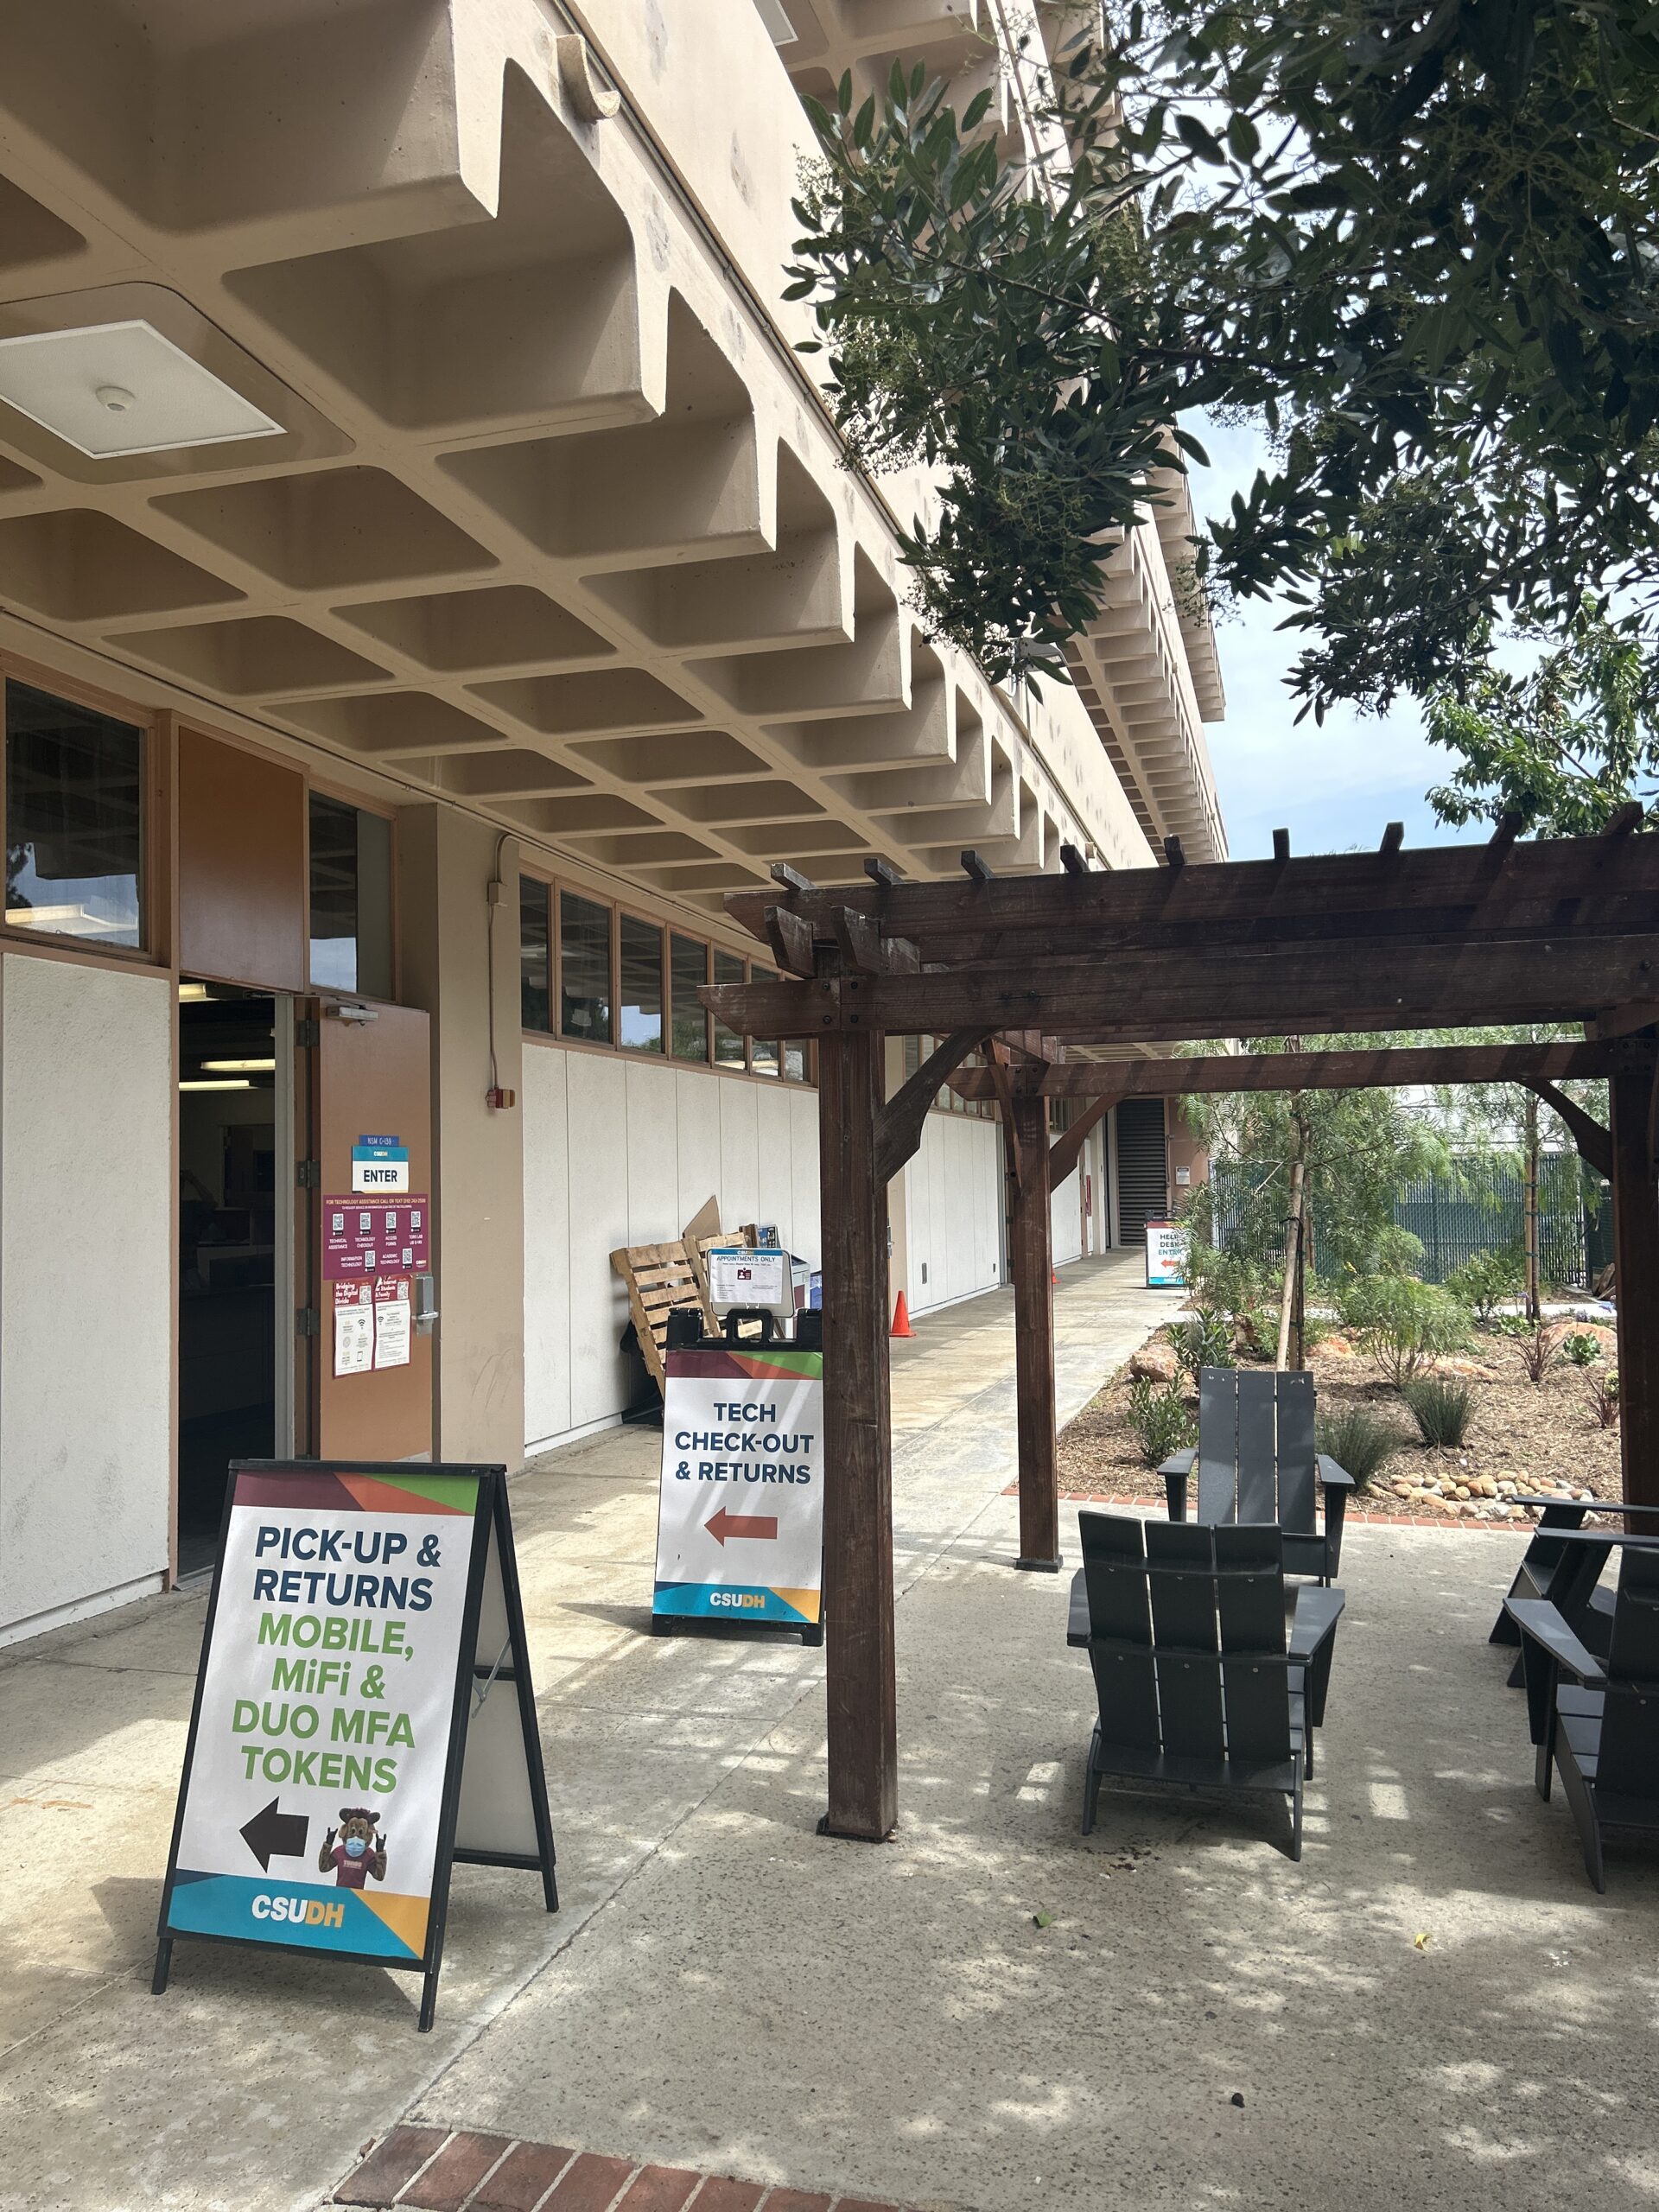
(272, 1834)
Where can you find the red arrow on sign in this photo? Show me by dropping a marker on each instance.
(723, 1524)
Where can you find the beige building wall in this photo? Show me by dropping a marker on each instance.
(465, 974)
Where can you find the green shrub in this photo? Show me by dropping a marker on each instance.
(1359, 1442)
(1204, 1341)
(1582, 1347)
(1441, 1407)
(1604, 1398)
(1538, 1351)
(1228, 1282)
(1512, 1324)
(1397, 1252)
(1259, 1330)
(1402, 1323)
(1160, 1419)
(1485, 1279)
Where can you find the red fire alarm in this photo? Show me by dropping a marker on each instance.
(495, 1095)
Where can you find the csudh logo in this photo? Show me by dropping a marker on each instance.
(311, 1912)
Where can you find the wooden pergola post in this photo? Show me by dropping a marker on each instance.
(1636, 1269)
(1031, 1254)
(863, 1722)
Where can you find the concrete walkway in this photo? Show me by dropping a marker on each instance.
(255, 2080)
(725, 1991)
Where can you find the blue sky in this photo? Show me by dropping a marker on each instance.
(1332, 786)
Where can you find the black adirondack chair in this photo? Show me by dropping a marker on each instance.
(1553, 1569)
(1597, 1720)
(1257, 1462)
(1197, 1681)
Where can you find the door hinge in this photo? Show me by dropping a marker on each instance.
(307, 1321)
(307, 1175)
(306, 1034)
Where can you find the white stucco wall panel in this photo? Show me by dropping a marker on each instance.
(696, 1102)
(1066, 1218)
(598, 1154)
(547, 1244)
(953, 1210)
(87, 1234)
(774, 1164)
(653, 1156)
(739, 1175)
(804, 1175)
(623, 1153)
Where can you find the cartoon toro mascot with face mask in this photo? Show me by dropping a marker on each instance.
(355, 1850)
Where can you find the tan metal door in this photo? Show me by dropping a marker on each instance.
(371, 1378)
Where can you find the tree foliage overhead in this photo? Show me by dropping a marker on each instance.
(1562, 746)
(1417, 240)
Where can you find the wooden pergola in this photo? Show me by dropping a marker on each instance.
(1452, 936)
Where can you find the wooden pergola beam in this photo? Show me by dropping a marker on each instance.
(1568, 884)
(1230, 992)
(1392, 1067)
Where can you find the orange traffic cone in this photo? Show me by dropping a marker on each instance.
(901, 1318)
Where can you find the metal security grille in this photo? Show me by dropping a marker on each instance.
(1142, 1168)
(1479, 1208)
(1476, 1207)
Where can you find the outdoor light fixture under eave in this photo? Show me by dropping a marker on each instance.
(113, 389)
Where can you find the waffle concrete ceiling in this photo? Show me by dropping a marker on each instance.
(552, 523)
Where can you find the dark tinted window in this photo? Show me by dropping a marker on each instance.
(535, 983)
(584, 970)
(350, 898)
(729, 968)
(641, 948)
(688, 967)
(74, 819)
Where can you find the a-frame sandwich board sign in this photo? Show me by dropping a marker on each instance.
(351, 1716)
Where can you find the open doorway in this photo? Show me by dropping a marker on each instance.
(236, 1243)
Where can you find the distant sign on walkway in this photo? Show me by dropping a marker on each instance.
(1166, 1249)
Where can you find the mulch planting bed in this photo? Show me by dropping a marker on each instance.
(1536, 1438)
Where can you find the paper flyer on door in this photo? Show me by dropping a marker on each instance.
(312, 1801)
(739, 1528)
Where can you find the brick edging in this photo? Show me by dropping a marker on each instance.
(436, 2169)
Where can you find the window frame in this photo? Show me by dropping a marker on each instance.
(623, 911)
(685, 1059)
(157, 753)
(555, 883)
(323, 787)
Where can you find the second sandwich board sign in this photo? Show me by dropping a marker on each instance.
(740, 1517)
(364, 1716)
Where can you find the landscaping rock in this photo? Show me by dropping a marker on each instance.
(1155, 1363)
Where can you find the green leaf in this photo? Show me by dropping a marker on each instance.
(1199, 140)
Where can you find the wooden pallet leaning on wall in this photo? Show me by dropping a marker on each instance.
(661, 1278)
